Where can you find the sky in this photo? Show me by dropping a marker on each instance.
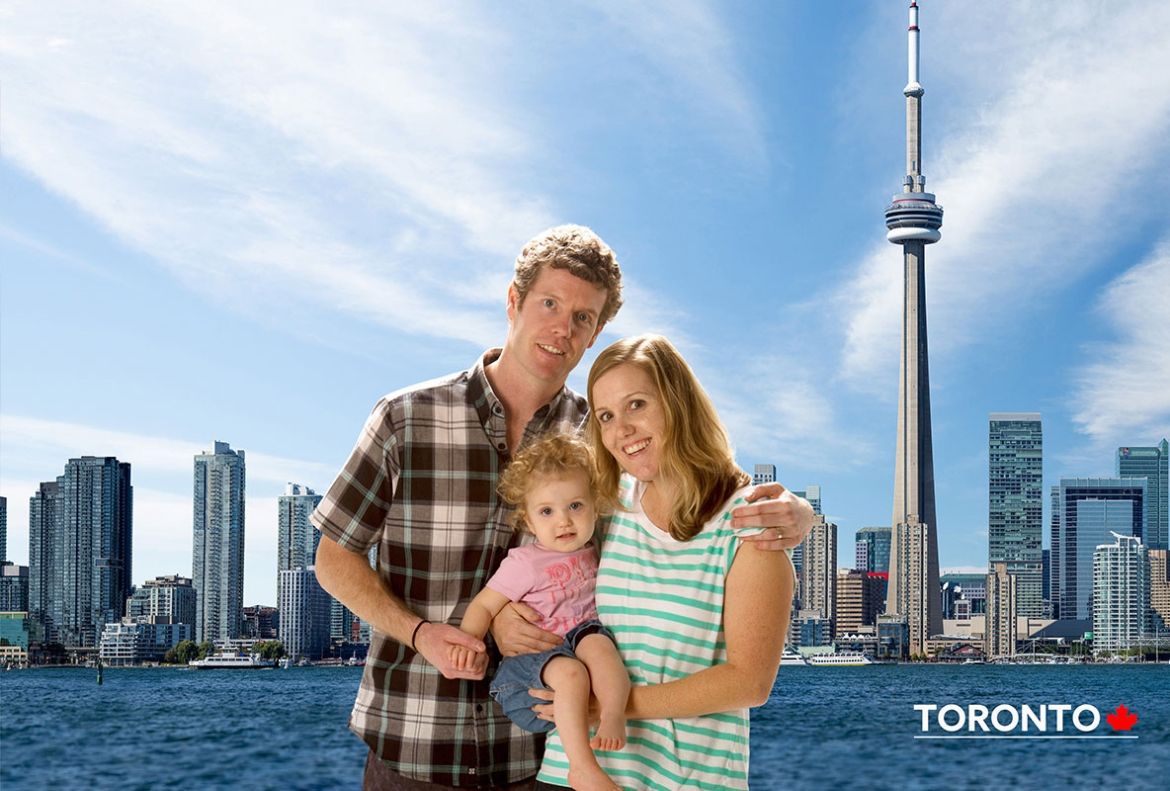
(248, 224)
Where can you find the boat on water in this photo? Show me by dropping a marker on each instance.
(231, 661)
(791, 658)
(842, 659)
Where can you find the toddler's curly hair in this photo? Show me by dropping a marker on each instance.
(553, 455)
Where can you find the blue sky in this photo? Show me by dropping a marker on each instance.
(247, 224)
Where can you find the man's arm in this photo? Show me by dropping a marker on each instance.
(786, 517)
(347, 576)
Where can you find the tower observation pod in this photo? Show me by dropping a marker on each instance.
(913, 216)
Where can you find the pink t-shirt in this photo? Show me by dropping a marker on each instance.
(558, 585)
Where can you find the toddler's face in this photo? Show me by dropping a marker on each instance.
(561, 511)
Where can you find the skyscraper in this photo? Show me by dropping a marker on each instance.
(296, 538)
(1153, 465)
(872, 549)
(169, 599)
(1085, 511)
(218, 561)
(44, 515)
(304, 614)
(1121, 594)
(818, 583)
(80, 541)
(999, 633)
(765, 473)
(1015, 483)
(913, 220)
(3, 529)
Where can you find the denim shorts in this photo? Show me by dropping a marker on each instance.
(518, 674)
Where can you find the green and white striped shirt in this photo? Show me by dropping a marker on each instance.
(663, 599)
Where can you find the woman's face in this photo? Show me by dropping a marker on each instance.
(628, 408)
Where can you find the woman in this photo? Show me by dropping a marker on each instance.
(699, 624)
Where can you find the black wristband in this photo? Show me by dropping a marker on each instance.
(414, 634)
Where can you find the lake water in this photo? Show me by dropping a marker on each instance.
(823, 728)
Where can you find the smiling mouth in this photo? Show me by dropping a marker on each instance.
(637, 447)
(551, 349)
(566, 537)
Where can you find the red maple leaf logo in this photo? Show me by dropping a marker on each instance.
(1122, 720)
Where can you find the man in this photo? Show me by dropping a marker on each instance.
(420, 485)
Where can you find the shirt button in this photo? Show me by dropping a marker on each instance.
(479, 708)
(502, 445)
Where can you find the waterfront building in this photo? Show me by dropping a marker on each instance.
(859, 600)
(1152, 464)
(305, 621)
(1000, 622)
(1121, 594)
(261, 623)
(971, 588)
(815, 630)
(1046, 580)
(813, 495)
(764, 473)
(1015, 446)
(166, 599)
(43, 527)
(14, 637)
(913, 219)
(872, 549)
(893, 637)
(1085, 511)
(296, 538)
(218, 546)
(80, 541)
(341, 623)
(1160, 588)
(818, 583)
(13, 588)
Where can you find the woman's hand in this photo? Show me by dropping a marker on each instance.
(786, 518)
(515, 631)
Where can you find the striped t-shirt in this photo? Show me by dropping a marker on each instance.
(663, 600)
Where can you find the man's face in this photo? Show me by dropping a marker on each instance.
(550, 332)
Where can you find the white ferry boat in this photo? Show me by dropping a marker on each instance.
(230, 661)
(842, 659)
(791, 658)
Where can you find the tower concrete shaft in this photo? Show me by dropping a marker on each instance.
(913, 220)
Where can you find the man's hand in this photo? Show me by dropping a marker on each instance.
(439, 642)
(515, 632)
(786, 517)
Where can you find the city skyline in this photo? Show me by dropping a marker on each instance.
(263, 248)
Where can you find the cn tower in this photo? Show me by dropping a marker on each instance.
(913, 220)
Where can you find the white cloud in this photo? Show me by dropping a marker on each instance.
(45, 445)
(1123, 393)
(692, 45)
(1030, 204)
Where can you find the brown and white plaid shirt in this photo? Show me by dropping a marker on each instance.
(420, 484)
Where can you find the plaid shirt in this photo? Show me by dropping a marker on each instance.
(421, 485)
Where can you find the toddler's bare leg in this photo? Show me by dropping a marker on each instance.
(570, 684)
(611, 685)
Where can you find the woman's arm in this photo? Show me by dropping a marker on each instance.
(757, 602)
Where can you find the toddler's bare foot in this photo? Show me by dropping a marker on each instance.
(591, 778)
(611, 733)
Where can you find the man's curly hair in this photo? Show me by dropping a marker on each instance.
(553, 455)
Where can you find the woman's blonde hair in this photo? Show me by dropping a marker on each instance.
(553, 455)
(696, 452)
